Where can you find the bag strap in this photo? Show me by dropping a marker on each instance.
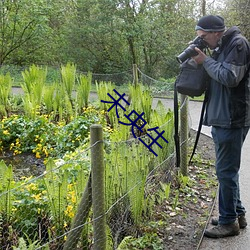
(176, 126)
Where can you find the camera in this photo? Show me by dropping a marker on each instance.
(190, 51)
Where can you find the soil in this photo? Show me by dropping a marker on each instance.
(25, 164)
(188, 221)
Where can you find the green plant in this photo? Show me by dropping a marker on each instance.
(147, 241)
(164, 191)
(29, 244)
(83, 91)
(141, 100)
(6, 196)
(164, 119)
(176, 199)
(30, 207)
(126, 173)
(57, 192)
(184, 181)
(127, 163)
(48, 98)
(44, 137)
(103, 89)
(64, 182)
(34, 81)
(23, 134)
(68, 74)
(5, 90)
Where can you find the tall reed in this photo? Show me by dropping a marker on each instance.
(62, 106)
(6, 184)
(68, 74)
(103, 89)
(56, 184)
(48, 98)
(83, 91)
(5, 90)
(141, 100)
(33, 86)
(129, 161)
(164, 119)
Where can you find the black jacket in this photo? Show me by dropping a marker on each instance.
(229, 90)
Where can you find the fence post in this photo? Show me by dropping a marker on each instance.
(80, 218)
(135, 74)
(184, 135)
(98, 195)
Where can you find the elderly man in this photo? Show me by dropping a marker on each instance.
(228, 112)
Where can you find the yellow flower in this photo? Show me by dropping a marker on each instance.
(37, 196)
(73, 199)
(69, 211)
(31, 187)
(16, 152)
(45, 151)
(6, 132)
(38, 156)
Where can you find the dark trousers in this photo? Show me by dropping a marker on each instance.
(228, 145)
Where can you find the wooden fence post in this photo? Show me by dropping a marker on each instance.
(98, 195)
(135, 74)
(80, 218)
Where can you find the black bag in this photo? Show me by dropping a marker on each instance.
(192, 80)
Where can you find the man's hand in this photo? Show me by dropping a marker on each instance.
(200, 58)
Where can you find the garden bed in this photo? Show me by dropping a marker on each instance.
(178, 222)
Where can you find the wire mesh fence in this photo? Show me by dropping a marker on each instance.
(46, 210)
(56, 209)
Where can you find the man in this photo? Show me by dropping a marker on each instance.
(228, 112)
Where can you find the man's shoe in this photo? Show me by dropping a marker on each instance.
(221, 231)
(241, 219)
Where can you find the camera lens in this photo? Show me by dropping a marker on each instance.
(187, 53)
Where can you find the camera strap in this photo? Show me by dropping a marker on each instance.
(199, 127)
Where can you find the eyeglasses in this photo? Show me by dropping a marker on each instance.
(203, 36)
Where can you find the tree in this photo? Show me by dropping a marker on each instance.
(101, 36)
(106, 35)
(94, 39)
(237, 12)
(21, 21)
